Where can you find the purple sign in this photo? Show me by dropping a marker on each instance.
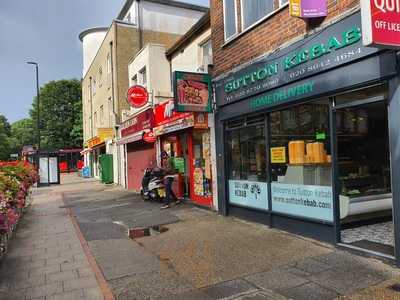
(308, 8)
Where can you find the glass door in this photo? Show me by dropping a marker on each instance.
(201, 175)
(363, 165)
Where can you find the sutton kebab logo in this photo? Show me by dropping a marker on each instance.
(255, 189)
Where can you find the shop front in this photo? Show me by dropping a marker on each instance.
(97, 147)
(311, 140)
(186, 139)
(140, 149)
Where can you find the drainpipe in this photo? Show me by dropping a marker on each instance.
(140, 27)
(91, 106)
(112, 83)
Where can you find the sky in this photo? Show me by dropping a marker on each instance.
(45, 31)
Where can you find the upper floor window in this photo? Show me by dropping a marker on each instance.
(251, 12)
(230, 18)
(100, 75)
(143, 76)
(129, 18)
(206, 55)
(134, 80)
(108, 63)
(102, 115)
(255, 10)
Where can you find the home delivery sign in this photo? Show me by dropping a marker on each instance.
(381, 23)
(335, 45)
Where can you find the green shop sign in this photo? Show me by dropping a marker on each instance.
(333, 46)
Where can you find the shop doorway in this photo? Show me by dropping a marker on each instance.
(363, 167)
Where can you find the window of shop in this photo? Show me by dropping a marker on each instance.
(230, 18)
(255, 10)
(247, 168)
(301, 164)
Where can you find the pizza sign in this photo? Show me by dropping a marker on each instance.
(137, 96)
(381, 23)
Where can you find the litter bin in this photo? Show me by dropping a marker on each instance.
(106, 168)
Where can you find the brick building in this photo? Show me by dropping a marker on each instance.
(304, 108)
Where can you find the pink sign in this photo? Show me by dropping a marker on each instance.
(381, 23)
(308, 8)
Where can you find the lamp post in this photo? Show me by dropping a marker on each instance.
(38, 101)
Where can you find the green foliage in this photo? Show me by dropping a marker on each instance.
(22, 134)
(60, 114)
(5, 130)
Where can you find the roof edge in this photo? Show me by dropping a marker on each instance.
(173, 3)
(91, 30)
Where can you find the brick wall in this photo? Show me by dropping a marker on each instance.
(267, 36)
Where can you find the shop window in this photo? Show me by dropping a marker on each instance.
(301, 161)
(230, 18)
(255, 10)
(247, 167)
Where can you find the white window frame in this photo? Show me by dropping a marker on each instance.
(273, 12)
(141, 72)
(236, 22)
(201, 47)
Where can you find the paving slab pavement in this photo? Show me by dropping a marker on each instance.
(200, 256)
(45, 258)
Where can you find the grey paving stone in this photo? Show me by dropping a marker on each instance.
(74, 265)
(29, 282)
(61, 276)
(309, 291)
(191, 295)
(59, 260)
(93, 294)
(72, 295)
(45, 270)
(45, 290)
(228, 288)
(13, 295)
(276, 279)
(100, 231)
(345, 281)
(311, 266)
(261, 295)
(118, 258)
(80, 283)
(85, 272)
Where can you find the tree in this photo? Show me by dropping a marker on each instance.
(22, 134)
(60, 114)
(5, 131)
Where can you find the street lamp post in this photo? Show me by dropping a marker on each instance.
(38, 101)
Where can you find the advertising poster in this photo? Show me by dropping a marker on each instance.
(249, 193)
(381, 23)
(310, 201)
(192, 92)
(278, 155)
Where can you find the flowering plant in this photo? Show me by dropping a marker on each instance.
(15, 180)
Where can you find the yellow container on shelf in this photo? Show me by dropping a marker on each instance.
(297, 152)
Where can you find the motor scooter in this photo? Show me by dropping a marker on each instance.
(153, 188)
